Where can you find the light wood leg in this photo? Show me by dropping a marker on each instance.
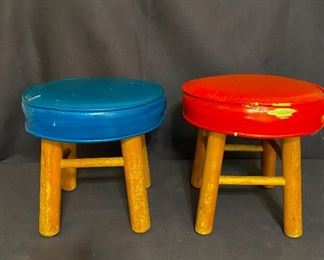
(199, 161)
(268, 161)
(210, 183)
(135, 184)
(50, 188)
(147, 175)
(69, 175)
(292, 193)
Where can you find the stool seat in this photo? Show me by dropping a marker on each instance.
(254, 105)
(88, 110)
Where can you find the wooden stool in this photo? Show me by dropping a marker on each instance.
(254, 106)
(84, 110)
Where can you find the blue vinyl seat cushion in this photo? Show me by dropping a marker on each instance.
(88, 110)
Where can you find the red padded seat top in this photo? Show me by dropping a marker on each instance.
(254, 105)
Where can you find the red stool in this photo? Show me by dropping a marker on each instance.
(254, 106)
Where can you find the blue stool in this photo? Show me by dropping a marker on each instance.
(89, 110)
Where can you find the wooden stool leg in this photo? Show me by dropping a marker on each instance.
(147, 175)
(69, 175)
(135, 184)
(268, 161)
(292, 194)
(210, 183)
(199, 161)
(50, 188)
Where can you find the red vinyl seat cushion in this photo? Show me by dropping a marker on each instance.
(254, 105)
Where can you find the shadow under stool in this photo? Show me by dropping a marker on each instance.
(254, 106)
(89, 110)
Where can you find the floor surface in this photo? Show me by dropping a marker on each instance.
(95, 221)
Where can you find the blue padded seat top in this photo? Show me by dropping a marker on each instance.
(88, 110)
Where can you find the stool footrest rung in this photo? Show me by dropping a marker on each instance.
(92, 162)
(251, 180)
(243, 148)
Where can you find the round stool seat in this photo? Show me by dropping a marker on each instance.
(253, 105)
(87, 110)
